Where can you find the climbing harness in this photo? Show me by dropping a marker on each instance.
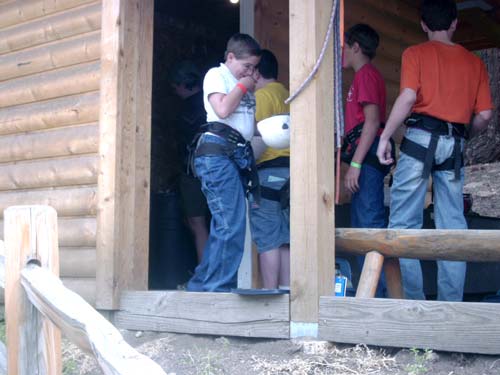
(426, 155)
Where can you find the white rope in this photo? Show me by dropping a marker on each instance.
(320, 58)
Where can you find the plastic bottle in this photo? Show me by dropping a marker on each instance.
(340, 282)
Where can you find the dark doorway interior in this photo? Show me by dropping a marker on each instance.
(195, 30)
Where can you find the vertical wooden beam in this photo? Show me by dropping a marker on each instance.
(312, 166)
(34, 343)
(124, 148)
(247, 16)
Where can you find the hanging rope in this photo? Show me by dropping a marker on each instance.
(337, 21)
(337, 96)
(320, 58)
(337, 77)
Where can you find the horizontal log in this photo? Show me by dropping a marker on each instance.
(468, 327)
(77, 262)
(19, 11)
(47, 29)
(73, 232)
(172, 311)
(80, 49)
(390, 69)
(75, 109)
(76, 79)
(83, 325)
(84, 287)
(403, 31)
(426, 244)
(74, 201)
(77, 170)
(74, 263)
(390, 48)
(394, 9)
(67, 141)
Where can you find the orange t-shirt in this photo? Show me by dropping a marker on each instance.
(451, 83)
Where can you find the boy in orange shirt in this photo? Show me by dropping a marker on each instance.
(444, 88)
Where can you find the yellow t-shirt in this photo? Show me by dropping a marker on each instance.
(271, 101)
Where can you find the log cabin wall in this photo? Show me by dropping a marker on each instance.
(272, 32)
(49, 133)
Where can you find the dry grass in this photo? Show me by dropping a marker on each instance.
(75, 361)
(358, 360)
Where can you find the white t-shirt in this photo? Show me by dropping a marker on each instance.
(221, 80)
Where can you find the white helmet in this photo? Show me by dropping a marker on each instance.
(275, 131)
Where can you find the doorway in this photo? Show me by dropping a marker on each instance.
(194, 31)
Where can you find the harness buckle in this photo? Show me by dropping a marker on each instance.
(450, 129)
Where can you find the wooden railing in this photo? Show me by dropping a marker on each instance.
(38, 306)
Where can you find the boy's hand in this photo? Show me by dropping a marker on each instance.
(384, 152)
(351, 180)
(248, 82)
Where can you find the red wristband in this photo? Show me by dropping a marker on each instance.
(242, 87)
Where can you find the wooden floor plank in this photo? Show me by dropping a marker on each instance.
(448, 326)
(205, 313)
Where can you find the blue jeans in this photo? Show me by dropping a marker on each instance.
(270, 224)
(367, 206)
(407, 204)
(222, 185)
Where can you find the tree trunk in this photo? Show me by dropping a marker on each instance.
(485, 146)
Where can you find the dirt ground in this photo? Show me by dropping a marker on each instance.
(183, 354)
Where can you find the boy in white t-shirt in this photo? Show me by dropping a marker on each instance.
(222, 160)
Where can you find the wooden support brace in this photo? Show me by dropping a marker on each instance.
(370, 275)
(393, 278)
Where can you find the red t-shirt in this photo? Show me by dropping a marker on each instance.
(451, 83)
(368, 87)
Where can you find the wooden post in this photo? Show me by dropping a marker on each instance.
(370, 275)
(33, 343)
(312, 166)
(393, 278)
(124, 149)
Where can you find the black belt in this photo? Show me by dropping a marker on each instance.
(281, 195)
(350, 144)
(279, 162)
(426, 155)
(234, 139)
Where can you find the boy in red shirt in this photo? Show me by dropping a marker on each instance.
(364, 114)
(444, 88)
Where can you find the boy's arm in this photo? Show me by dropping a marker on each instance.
(225, 104)
(370, 129)
(402, 107)
(480, 120)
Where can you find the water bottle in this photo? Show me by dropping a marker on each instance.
(340, 282)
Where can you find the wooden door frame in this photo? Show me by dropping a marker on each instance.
(124, 149)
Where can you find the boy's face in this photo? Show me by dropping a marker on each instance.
(243, 67)
(348, 55)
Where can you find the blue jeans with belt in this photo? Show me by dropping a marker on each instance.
(223, 187)
(407, 204)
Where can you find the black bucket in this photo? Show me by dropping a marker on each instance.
(172, 254)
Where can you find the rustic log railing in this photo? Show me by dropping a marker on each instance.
(38, 306)
(383, 248)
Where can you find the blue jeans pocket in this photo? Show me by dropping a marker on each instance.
(217, 210)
